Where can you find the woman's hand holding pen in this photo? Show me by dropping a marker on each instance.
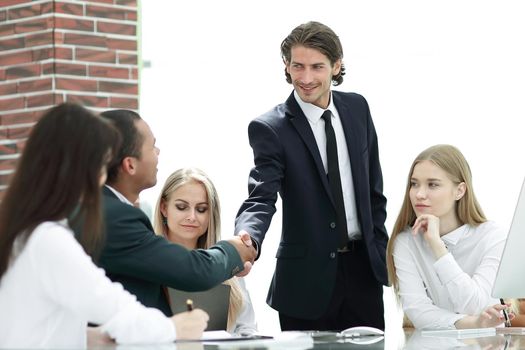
(190, 324)
(491, 317)
(428, 226)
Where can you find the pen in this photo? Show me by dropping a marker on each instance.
(505, 313)
(189, 304)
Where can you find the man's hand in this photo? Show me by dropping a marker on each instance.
(243, 243)
(190, 324)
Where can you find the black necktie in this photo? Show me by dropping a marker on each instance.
(334, 178)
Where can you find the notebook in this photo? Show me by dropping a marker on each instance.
(215, 302)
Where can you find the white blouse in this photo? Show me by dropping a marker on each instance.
(245, 323)
(52, 289)
(435, 294)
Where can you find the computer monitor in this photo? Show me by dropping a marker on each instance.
(510, 279)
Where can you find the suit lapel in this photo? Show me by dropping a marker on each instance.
(299, 121)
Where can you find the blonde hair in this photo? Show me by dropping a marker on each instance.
(468, 210)
(176, 180)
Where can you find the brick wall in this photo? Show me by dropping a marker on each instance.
(56, 51)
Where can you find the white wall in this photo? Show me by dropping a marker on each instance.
(447, 71)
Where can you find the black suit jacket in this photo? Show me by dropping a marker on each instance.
(287, 161)
(143, 262)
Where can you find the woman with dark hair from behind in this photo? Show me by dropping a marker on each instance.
(49, 286)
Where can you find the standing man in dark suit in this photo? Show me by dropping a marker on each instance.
(319, 151)
(133, 255)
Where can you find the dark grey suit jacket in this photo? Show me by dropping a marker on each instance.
(287, 161)
(144, 262)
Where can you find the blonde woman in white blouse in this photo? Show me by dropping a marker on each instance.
(443, 254)
(49, 287)
(188, 213)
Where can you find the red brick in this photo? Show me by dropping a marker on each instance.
(28, 70)
(74, 24)
(95, 56)
(47, 7)
(130, 3)
(18, 133)
(14, 2)
(3, 15)
(70, 69)
(105, 12)
(72, 9)
(49, 99)
(15, 58)
(41, 54)
(117, 87)
(102, 1)
(7, 29)
(109, 72)
(7, 149)
(131, 15)
(122, 102)
(8, 89)
(127, 58)
(121, 44)
(58, 38)
(63, 53)
(134, 73)
(76, 84)
(21, 144)
(38, 39)
(85, 40)
(89, 101)
(8, 104)
(11, 44)
(116, 28)
(2, 74)
(35, 85)
(34, 25)
(20, 118)
(24, 12)
(48, 68)
(8, 163)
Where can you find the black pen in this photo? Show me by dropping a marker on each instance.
(189, 304)
(505, 314)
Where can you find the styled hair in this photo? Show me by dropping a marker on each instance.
(125, 122)
(58, 177)
(468, 210)
(316, 36)
(175, 181)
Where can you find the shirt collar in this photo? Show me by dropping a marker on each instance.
(454, 236)
(119, 195)
(312, 112)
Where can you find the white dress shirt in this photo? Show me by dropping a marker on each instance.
(313, 114)
(435, 294)
(245, 323)
(52, 289)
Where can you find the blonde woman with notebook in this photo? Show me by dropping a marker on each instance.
(188, 213)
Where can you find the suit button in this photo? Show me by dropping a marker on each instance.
(332, 225)
(332, 255)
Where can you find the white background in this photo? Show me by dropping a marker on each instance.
(447, 71)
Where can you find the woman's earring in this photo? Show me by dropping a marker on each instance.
(165, 221)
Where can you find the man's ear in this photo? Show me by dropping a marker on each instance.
(129, 165)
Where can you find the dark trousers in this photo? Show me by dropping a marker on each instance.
(357, 299)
